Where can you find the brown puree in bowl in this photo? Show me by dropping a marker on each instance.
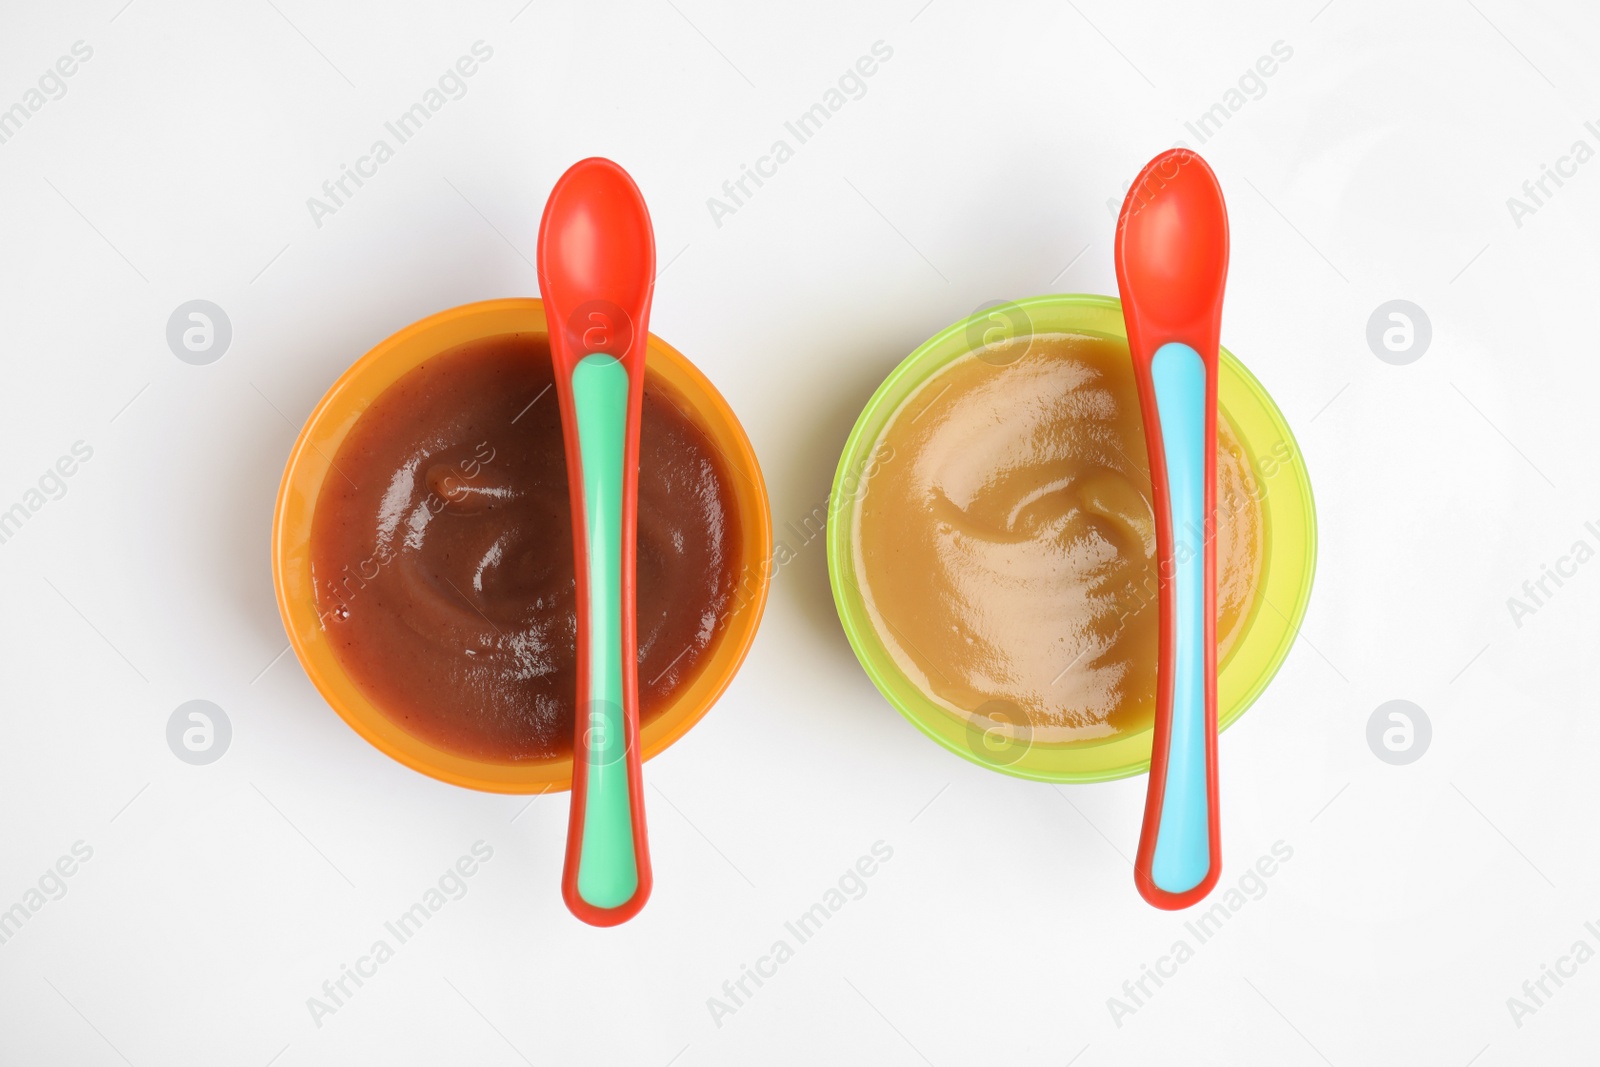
(1006, 542)
(441, 553)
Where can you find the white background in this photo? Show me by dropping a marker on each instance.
(977, 166)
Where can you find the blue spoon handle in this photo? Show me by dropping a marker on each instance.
(1182, 858)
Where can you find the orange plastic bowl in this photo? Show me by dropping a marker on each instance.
(310, 463)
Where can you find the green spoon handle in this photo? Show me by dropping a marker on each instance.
(608, 866)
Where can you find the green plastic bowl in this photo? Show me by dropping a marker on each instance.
(1289, 534)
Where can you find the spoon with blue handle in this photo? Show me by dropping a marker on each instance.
(1172, 265)
(596, 274)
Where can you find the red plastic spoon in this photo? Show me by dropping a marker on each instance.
(597, 258)
(1172, 265)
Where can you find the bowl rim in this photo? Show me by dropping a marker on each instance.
(309, 463)
(852, 616)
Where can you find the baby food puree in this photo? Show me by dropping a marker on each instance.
(1006, 546)
(441, 553)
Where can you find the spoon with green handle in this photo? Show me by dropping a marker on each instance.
(596, 273)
